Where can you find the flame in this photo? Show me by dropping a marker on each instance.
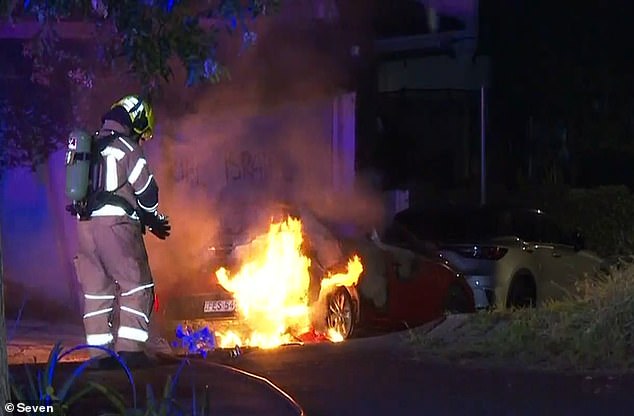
(350, 278)
(334, 336)
(271, 289)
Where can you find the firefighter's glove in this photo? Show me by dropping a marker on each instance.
(159, 225)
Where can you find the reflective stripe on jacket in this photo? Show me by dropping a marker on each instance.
(127, 174)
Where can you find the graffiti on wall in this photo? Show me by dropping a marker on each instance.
(246, 166)
(187, 171)
(242, 166)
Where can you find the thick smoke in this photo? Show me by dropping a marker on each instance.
(243, 146)
(223, 154)
(219, 174)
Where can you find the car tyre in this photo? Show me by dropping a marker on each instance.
(340, 312)
(522, 293)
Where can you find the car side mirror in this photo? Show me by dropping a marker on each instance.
(578, 240)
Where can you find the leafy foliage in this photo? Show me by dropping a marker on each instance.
(602, 214)
(147, 34)
(29, 132)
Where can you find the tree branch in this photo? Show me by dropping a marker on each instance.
(72, 30)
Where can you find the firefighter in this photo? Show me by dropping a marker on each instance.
(112, 261)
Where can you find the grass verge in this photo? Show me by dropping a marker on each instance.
(589, 331)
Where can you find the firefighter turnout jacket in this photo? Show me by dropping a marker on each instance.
(112, 262)
(127, 175)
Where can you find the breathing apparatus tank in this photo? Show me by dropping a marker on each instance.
(78, 165)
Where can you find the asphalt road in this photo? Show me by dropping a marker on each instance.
(379, 376)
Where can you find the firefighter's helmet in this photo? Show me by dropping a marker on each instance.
(141, 115)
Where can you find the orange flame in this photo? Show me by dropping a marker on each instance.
(350, 278)
(334, 336)
(271, 289)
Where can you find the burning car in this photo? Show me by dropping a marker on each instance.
(263, 289)
(404, 286)
(297, 282)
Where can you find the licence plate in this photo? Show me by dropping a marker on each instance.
(219, 306)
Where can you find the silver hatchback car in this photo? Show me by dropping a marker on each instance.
(510, 256)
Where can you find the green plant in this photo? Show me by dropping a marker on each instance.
(41, 389)
(30, 131)
(145, 35)
(603, 214)
(166, 405)
(148, 39)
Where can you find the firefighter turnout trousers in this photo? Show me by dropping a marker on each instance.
(112, 253)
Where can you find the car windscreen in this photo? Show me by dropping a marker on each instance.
(454, 226)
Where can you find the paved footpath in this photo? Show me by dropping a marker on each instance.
(31, 341)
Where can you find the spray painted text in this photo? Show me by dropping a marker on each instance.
(246, 166)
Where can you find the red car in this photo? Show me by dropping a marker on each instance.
(397, 288)
(418, 288)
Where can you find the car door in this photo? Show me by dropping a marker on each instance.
(558, 259)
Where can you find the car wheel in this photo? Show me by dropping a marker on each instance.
(522, 293)
(340, 316)
(457, 301)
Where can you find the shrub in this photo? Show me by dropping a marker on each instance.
(603, 214)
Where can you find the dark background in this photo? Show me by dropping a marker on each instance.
(560, 108)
